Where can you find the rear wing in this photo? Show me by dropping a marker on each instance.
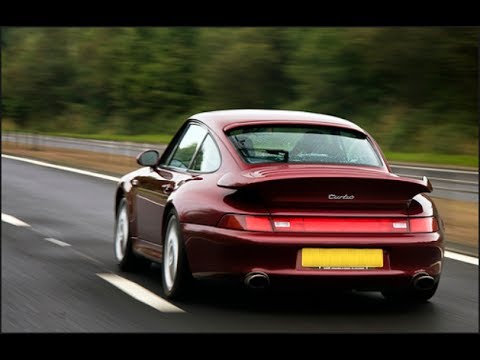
(366, 184)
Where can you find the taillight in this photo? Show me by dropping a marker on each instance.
(342, 225)
(422, 225)
(246, 222)
(328, 225)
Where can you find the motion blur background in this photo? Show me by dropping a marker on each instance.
(414, 89)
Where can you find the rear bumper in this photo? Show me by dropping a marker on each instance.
(215, 252)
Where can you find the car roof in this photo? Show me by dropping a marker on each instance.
(220, 119)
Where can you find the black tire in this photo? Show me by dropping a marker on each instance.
(126, 259)
(410, 295)
(177, 283)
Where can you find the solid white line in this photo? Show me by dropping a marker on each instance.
(65, 168)
(434, 169)
(460, 257)
(454, 181)
(453, 190)
(58, 242)
(140, 293)
(440, 179)
(13, 220)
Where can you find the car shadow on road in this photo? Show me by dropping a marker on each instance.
(234, 296)
(296, 300)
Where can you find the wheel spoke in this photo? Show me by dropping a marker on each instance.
(171, 255)
(121, 237)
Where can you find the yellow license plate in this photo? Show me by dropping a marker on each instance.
(342, 258)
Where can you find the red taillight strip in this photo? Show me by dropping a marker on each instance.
(341, 225)
(328, 225)
(257, 223)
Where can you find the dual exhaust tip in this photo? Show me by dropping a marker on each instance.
(257, 280)
(423, 282)
(260, 280)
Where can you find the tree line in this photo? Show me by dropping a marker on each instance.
(413, 89)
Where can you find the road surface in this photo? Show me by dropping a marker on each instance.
(59, 275)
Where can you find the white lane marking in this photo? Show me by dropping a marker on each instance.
(65, 168)
(433, 169)
(440, 179)
(13, 220)
(89, 258)
(449, 254)
(58, 242)
(454, 190)
(460, 257)
(140, 293)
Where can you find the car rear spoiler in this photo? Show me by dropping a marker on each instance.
(243, 179)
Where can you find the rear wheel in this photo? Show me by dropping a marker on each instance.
(410, 295)
(127, 260)
(176, 276)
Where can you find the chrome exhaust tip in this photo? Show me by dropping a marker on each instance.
(257, 280)
(423, 281)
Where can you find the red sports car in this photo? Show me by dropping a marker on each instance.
(266, 196)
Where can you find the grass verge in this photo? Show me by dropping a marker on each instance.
(104, 163)
(433, 159)
(460, 219)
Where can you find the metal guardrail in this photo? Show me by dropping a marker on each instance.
(102, 146)
(447, 183)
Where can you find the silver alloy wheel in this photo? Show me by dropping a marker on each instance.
(170, 259)
(121, 236)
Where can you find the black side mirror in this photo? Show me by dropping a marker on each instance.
(148, 158)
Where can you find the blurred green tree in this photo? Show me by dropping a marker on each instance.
(414, 89)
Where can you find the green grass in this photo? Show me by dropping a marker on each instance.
(434, 159)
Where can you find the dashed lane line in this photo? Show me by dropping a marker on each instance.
(57, 242)
(9, 219)
(129, 287)
(140, 293)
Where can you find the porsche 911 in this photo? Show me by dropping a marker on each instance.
(270, 196)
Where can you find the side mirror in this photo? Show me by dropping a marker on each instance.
(148, 158)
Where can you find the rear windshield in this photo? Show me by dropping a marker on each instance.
(303, 145)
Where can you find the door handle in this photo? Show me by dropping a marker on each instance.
(189, 179)
(194, 178)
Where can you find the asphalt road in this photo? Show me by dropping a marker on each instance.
(51, 288)
(447, 183)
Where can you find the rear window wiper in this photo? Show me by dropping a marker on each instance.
(273, 152)
(278, 152)
(241, 146)
(246, 150)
